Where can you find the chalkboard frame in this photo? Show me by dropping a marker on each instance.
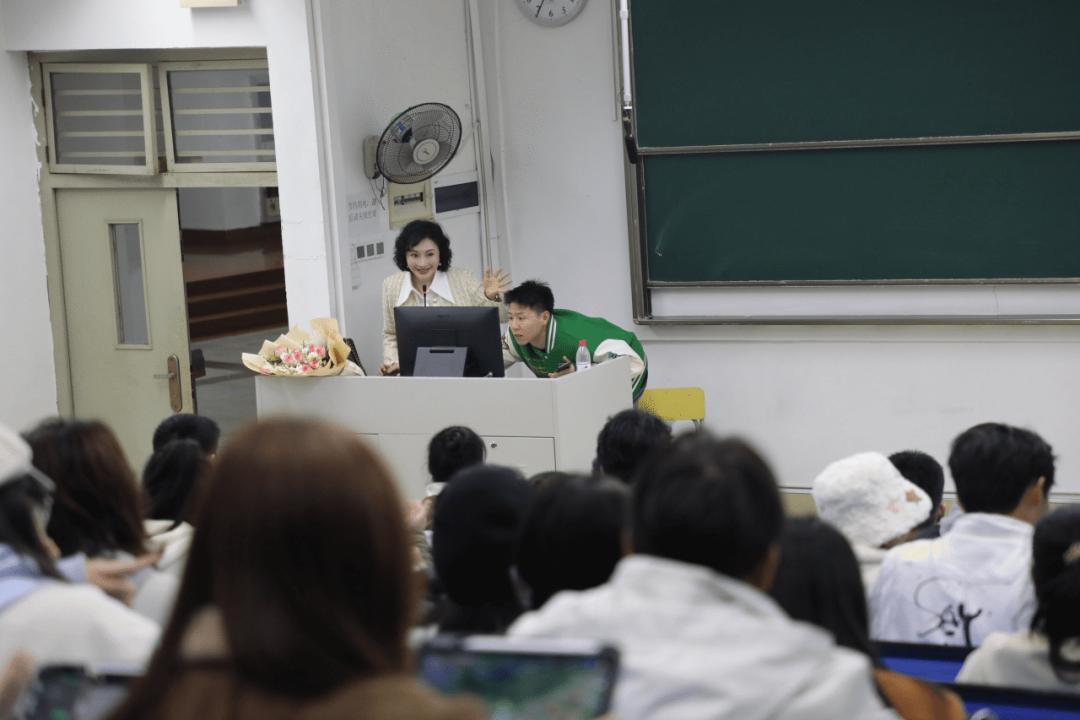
(634, 175)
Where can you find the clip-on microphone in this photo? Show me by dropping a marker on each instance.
(423, 291)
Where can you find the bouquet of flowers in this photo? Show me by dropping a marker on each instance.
(300, 354)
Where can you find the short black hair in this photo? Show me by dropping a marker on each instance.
(707, 501)
(572, 536)
(452, 449)
(417, 232)
(185, 426)
(993, 464)
(1055, 573)
(818, 581)
(924, 471)
(626, 439)
(531, 294)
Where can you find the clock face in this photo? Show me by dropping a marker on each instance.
(551, 12)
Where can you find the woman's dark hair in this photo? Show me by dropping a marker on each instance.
(924, 471)
(452, 449)
(172, 481)
(301, 545)
(1055, 571)
(707, 501)
(97, 508)
(20, 498)
(572, 536)
(993, 465)
(818, 581)
(626, 439)
(417, 232)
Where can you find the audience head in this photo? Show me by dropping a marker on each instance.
(927, 473)
(25, 503)
(199, 428)
(301, 547)
(711, 502)
(869, 501)
(1055, 571)
(172, 480)
(626, 439)
(529, 306)
(572, 536)
(97, 509)
(477, 519)
(417, 232)
(541, 479)
(1002, 469)
(818, 581)
(452, 449)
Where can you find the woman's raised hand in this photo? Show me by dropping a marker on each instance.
(495, 283)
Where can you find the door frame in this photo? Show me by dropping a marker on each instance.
(49, 184)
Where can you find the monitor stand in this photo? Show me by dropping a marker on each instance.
(440, 362)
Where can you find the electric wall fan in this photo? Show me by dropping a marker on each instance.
(416, 144)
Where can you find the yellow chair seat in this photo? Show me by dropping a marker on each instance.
(673, 404)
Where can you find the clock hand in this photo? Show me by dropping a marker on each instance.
(540, 6)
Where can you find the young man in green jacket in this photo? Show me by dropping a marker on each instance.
(546, 339)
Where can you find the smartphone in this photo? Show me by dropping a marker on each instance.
(566, 364)
(72, 692)
(524, 678)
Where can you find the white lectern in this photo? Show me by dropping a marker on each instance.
(532, 424)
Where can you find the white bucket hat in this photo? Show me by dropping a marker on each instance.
(867, 499)
(17, 460)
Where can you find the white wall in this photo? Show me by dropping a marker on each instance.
(28, 384)
(379, 59)
(806, 395)
(281, 26)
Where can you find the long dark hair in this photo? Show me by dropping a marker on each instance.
(1055, 571)
(818, 581)
(20, 498)
(172, 480)
(301, 545)
(97, 508)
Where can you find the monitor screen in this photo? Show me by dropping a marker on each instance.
(524, 679)
(473, 328)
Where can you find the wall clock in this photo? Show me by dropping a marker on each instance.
(551, 13)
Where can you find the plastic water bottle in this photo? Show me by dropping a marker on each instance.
(583, 361)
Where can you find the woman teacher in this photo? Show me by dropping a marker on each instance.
(422, 252)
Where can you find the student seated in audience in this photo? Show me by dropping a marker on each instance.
(297, 595)
(974, 579)
(98, 512)
(1046, 656)
(172, 483)
(819, 582)
(697, 633)
(55, 621)
(926, 472)
(867, 499)
(572, 536)
(184, 426)
(625, 440)
(477, 520)
(547, 340)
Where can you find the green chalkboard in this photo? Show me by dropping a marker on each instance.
(722, 72)
(960, 212)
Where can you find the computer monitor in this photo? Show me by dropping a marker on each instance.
(473, 328)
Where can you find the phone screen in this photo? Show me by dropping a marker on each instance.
(519, 685)
(70, 693)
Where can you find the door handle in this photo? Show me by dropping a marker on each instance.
(172, 364)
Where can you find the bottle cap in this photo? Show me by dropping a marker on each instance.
(581, 343)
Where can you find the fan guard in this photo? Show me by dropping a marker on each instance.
(418, 143)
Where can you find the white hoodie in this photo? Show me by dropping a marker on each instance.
(958, 588)
(695, 644)
(175, 542)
